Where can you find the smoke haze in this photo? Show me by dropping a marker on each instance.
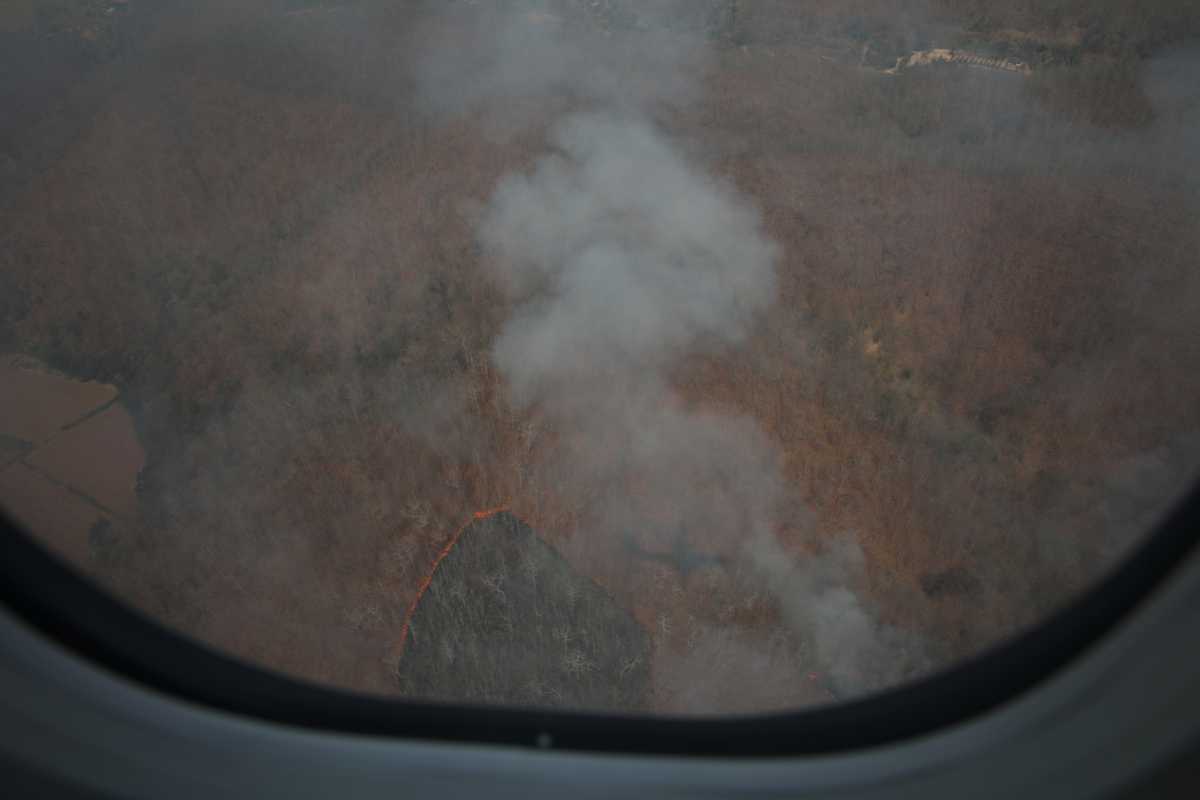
(621, 258)
(498, 56)
(815, 367)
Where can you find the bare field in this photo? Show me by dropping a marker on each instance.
(74, 461)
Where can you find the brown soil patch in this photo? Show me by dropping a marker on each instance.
(69, 459)
(35, 403)
(100, 457)
(58, 517)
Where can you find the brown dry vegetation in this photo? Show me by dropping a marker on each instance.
(986, 312)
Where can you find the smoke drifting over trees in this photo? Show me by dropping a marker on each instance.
(620, 258)
(825, 376)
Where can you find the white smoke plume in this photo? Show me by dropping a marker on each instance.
(620, 258)
(625, 257)
(857, 651)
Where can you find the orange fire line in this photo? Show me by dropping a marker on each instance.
(445, 551)
(428, 579)
(489, 512)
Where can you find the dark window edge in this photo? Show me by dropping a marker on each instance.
(71, 609)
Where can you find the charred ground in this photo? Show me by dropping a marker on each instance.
(506, 620)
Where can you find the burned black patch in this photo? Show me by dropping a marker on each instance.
(506, 620)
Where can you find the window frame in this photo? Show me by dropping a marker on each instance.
(84, 617)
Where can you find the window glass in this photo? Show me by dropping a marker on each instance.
(674, 356)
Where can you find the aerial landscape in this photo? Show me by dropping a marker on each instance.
(673, 357)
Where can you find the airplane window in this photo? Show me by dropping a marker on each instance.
(678, 357)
